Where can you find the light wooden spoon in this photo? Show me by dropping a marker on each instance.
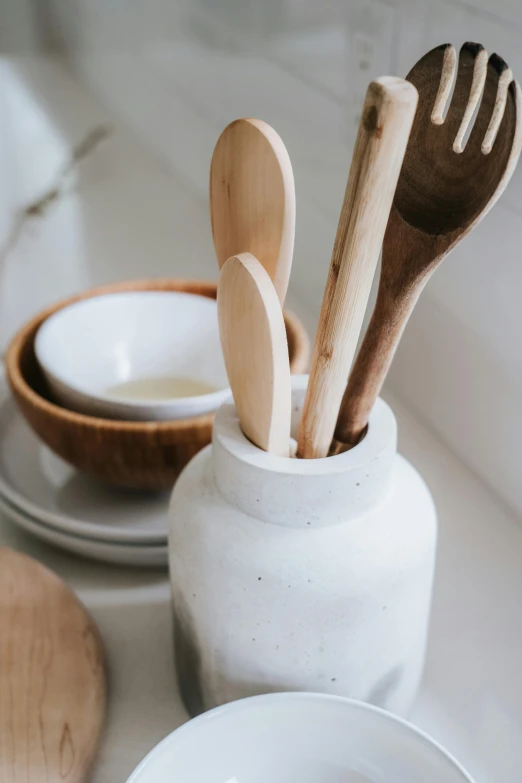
(252, 198)
(385, 125)
(445, 188)
(255, 348)
(52, 677)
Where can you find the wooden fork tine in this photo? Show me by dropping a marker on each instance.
(505, 79)
(447, 77)
(480, 70)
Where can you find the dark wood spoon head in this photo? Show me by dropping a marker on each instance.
(441, 191)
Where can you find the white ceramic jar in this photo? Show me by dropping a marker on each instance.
(290, 575)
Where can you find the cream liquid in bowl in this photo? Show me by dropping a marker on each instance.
(159, 388)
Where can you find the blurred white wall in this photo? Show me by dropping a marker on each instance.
(20, 29)
(177, 71)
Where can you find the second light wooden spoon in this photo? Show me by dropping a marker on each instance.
(445, 188)
(255, 348)
(252, 198)
(52, 677)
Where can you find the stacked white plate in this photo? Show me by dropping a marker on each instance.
(49, 498)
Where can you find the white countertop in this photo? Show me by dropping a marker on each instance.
(131, 217)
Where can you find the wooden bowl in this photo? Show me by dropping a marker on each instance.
(138, 455)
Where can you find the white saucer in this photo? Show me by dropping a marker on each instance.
(154, 556)
(42, 486)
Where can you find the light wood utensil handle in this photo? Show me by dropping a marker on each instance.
(381, 142)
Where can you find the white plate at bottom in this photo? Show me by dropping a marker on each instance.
(154, 556)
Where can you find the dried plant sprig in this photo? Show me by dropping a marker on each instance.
(40, 206)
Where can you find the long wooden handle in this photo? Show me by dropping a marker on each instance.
(381, 142)
(396, 298)
(373, 361)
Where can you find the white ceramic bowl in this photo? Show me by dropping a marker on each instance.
(298, 738)
(95, 344)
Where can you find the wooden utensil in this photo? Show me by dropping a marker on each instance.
(52, 677)
(252, 198)
(445, 188)
(385, 125)
(135, 454)
(256, 352)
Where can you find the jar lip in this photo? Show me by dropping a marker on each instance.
(381, 433)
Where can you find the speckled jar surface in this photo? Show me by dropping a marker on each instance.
(291, 574)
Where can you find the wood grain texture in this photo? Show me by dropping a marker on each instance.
(254, 345)
(252, 198)
(447, 76)
(440, 197)
(138, 455)
(52, 677)
(383, 133)
(480, 72)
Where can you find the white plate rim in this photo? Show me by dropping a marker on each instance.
(65, 523)
(139, 555)
(7, 505)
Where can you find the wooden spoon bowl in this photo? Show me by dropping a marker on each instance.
(137, 455)
(252, 198)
